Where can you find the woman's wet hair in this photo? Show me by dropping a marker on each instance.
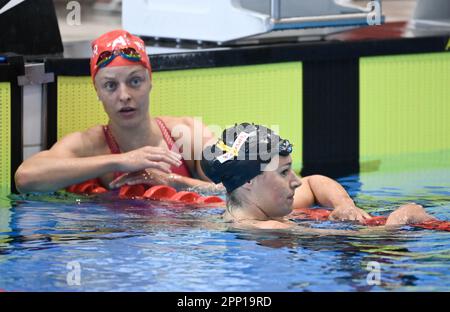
(233, 199)
(242, 153)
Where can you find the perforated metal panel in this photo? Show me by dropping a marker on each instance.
(5, 138)
(78, 105)
(404, 105)
(266, 94)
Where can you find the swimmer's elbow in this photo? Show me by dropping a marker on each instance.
(26, 181)
(23, 180)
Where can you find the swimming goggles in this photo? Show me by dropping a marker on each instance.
(107, 57)
(285, 147)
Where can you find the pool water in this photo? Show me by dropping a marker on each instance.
(68, 243)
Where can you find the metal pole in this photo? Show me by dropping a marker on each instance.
(275, 9)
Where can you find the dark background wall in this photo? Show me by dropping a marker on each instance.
(30, 28)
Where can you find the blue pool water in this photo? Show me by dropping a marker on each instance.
(65, 243)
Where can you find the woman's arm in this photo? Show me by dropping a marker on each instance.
(192, 136)
(328, 193)
(156, 177)
(46, 171)
(69, 162)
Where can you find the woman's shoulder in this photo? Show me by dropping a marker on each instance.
(86, 142)
(93, 134)
(187, 127)
(262, 225)
(273, 225)
(173, 121)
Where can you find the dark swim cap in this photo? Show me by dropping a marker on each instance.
(241, 154)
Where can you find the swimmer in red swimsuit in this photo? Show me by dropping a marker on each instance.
(254, 165)
(133, 143)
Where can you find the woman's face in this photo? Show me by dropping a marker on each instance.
(124, 92)
(273, 191)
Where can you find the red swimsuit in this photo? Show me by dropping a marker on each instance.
(114, 148)
(93, 184)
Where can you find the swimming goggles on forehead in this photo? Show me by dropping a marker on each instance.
(285, 148)
(107, 57)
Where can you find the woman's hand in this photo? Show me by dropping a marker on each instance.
(148, 157)
(348, 213)
(209, 188)
(409, 214)
(146, 176)
(156, 177)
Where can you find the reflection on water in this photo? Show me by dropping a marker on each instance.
(148, 246)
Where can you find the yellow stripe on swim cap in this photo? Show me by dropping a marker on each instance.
(227, 149)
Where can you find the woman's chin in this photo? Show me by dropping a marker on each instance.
(129, 123)
(286, 210)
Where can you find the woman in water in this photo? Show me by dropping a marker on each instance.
(254, 165)
(133, 147)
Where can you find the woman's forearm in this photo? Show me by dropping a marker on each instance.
(47, 174)
(328, 192)
(180, 182)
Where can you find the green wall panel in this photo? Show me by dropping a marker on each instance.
(404, 110)
(5, 138)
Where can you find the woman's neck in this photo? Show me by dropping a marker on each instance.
(246, 210)
(133, 138)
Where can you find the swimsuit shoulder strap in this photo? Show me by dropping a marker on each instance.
(112, 143)
(165, 132)
(183, 170)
